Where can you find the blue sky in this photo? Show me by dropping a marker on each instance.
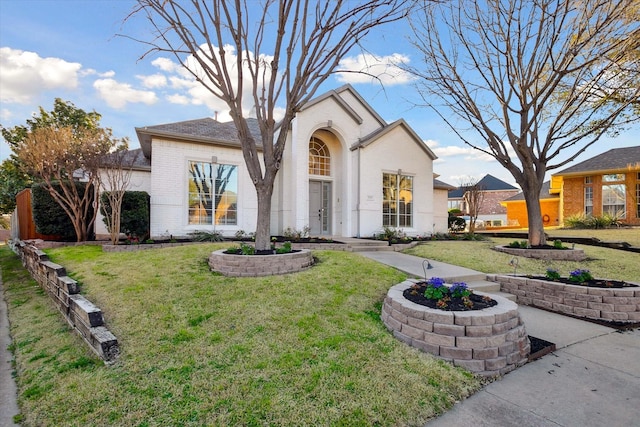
(69, 49)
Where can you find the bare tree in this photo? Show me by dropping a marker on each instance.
(278, 51)
(473, 197)
(522, 75)
(115, 176)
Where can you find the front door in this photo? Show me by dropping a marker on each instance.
(319, 207)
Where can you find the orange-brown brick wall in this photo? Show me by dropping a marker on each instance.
(517, 211)
(573, 196)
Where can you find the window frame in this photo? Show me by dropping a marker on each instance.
(198, 213)
(398, 213)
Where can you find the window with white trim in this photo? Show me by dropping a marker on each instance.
(397, 200)
(213, 193)
(614, 195)
(319, 158)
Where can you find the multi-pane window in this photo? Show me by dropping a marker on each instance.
(319, 158)
(213, 193)
(614, 196)
(588, 200)
(397, 200)
(588, 180)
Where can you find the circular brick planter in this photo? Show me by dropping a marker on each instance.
(259, 265)
(489, 342)
(552, 254)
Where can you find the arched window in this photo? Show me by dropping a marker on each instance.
(319, 158)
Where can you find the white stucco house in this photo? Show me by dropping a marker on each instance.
(346, 172)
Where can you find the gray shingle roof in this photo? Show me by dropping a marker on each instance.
(544, 194)
(487, 183)
(205, 130)
(132, 157)
(614, 159)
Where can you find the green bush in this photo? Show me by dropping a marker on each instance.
(592, 221)
(134, 213)
(49, 217)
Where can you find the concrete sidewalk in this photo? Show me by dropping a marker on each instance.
(592, 379)
(8, 389)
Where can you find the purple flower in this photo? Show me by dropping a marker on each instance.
(436, 282)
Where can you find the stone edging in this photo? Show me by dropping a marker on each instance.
(489, 342)
(552, 254)
(259, 265)
(614, 304)
(83, 316)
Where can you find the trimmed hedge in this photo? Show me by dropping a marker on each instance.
(49, 217)
(134, 214)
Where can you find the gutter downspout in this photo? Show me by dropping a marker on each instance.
(358, 190)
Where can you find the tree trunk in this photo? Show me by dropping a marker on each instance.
(264, 191)
(531, 194)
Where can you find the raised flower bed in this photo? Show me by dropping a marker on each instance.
(490, 342)
(231, 264)
(599, 301)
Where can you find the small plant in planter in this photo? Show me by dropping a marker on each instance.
(552, 275)
(518, 244)
(435, 294)
(580, 276)
(285, 249)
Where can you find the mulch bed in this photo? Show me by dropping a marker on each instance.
(415, 294)
(595, 283)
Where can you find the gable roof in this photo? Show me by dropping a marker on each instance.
(335, 96)
(380, 132)
(487, 183)
(544, 194)
(615, 159)
(205, 130)
(441, 185)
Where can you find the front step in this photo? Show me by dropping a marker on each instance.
(492, 288)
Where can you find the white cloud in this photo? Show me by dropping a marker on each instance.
(93, 72)
(364, 68)
(153, 81)
(467, 153)
(178, 99)
(117, 95)
(5, 115)
(26, 74)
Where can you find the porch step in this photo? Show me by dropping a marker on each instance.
(364, 245)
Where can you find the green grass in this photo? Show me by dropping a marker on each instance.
(203, 349)
(478, 255)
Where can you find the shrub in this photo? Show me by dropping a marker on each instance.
(593, 221)
(580, 276)
(293, 234)
(518, 244)
(206, 236)
(49, 217)
(135, 219)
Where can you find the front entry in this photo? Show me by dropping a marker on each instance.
(319, 207)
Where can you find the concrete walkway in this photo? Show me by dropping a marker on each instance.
(592, 379)
(8, 389)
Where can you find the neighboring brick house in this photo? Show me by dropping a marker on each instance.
(549, 206)
(605, 184)
(495, 191)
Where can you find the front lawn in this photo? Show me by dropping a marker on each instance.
(203, 349)
(602, 262)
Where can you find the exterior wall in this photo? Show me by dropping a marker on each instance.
(169, 188)
(517, 212)
(573, 195)
(440, 211)
(395, 151)
(140, 181)
(339, 131)
(491, 204)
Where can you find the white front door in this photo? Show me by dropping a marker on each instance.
(319, 207)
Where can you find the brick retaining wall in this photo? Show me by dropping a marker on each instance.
(610, 304)
(489, 342)
(553, 254)
(83, 316)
